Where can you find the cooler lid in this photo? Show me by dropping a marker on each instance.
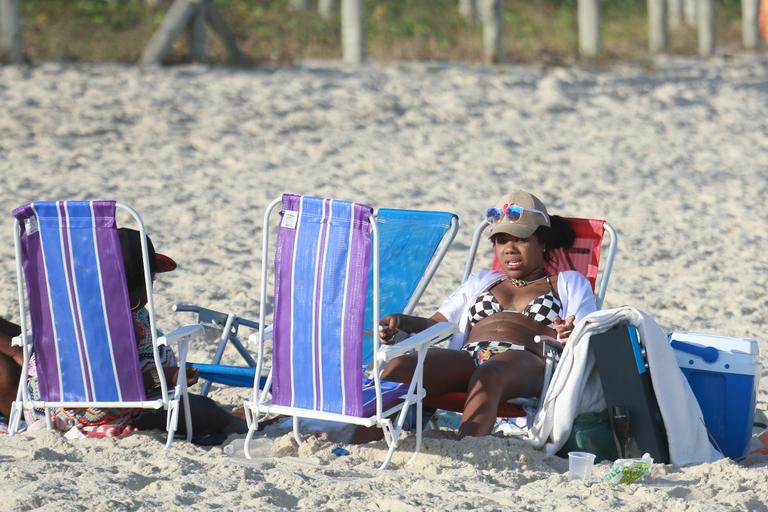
(722, 343)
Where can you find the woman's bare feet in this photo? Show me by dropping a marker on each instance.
(239, 412)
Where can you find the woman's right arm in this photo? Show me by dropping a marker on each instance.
(391, 324)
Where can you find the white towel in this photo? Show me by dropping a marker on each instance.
(576, 389)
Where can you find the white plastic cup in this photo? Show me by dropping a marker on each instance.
(580, 465)
(235, 448)
(260, 448)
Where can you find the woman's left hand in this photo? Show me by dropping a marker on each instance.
(564, 328)
(172, 375)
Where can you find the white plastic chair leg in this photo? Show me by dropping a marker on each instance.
(418, 432)
(253, 424)
(392, 435)
(386, 429)
(247, 445)
(419, 409)
(169, 440)
(172, 420)
(296, 433)
(391, 442)
(248, 412)
(387, 460)
(13, 421)
(187, 415)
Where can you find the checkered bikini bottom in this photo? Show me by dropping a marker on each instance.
(482, 351)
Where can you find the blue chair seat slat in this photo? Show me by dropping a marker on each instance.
(235, 376)
(389, 391)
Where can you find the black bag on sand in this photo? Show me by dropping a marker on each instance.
(626, 380)
(211, 424)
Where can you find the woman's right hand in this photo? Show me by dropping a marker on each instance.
(388, 327)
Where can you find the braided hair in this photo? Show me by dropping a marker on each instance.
(558, 234)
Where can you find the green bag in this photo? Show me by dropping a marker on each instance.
(591, 433)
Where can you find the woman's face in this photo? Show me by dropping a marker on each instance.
(521, 258)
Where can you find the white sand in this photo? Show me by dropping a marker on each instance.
(674, 158)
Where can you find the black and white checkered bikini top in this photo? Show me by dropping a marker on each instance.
(544, 308)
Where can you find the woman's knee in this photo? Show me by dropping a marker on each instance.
(400, 369)
(490, 376)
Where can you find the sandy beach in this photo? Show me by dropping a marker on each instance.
(672, 154)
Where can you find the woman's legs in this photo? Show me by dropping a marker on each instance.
(444, 370)
(514, 373)
(511, 374)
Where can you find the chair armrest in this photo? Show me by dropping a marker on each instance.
(17, 341)
(435, 334)
(268, 331)
(183, 334)
(550, 345)
(213, 317)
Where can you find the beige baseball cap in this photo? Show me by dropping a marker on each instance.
(534, 214)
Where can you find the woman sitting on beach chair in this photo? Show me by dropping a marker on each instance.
(493, 356)
(208, 419)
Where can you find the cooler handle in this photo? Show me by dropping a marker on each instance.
(708, 354)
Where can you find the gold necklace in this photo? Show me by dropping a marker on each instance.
(519, 283)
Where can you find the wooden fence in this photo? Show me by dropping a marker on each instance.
(10, 31)
(194, 15)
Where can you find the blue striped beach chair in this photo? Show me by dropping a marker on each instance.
(412, 243)
(323, 254)
(70, 264)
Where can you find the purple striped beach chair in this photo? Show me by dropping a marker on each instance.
(322, 257)
(69, 261)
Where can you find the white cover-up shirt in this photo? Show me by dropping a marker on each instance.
(574, 291)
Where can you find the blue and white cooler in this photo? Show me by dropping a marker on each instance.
(723, 373)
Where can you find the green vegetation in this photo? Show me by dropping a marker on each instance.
(536, 31)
